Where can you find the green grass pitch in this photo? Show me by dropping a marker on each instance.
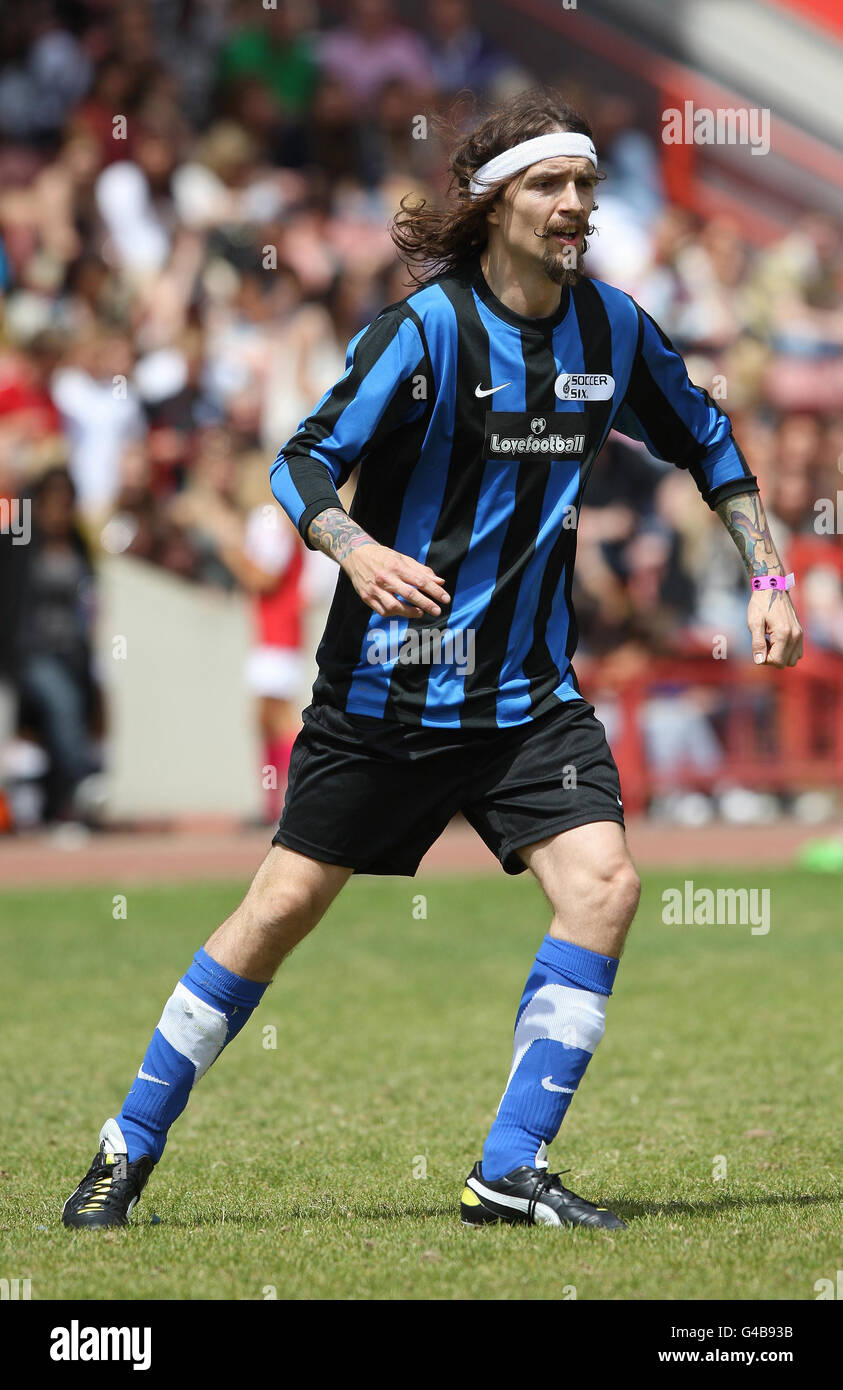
(330, 1165)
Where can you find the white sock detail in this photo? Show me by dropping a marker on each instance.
(111, 1135)
(193, 1028)
(574, 1017)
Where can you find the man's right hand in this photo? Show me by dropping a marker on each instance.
(393, 584)
(390, 583)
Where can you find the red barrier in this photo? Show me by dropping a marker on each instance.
(780, 731)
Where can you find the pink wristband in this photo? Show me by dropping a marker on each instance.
(773, 581)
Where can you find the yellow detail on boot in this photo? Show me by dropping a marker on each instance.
(469, 1198)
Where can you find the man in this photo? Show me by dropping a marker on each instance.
(475, 409)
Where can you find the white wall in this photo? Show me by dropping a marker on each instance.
(181, 726)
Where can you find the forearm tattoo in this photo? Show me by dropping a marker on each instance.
(334, 532)
(746, 522)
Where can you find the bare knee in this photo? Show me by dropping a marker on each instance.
(597, 905)
(288, 896)
(625, 893)
(611, 887)
(292, 892)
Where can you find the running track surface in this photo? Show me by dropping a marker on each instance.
(216, 851)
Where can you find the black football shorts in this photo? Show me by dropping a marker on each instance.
(374, 795)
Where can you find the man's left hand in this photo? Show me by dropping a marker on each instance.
(772, 617)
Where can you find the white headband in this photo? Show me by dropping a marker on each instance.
(503, 166)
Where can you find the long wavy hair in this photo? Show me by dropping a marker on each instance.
(434, 240)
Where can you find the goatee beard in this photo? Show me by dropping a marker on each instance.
(555, 268)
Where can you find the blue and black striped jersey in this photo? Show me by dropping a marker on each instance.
(476, 429)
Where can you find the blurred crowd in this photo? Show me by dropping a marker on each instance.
(194, 211)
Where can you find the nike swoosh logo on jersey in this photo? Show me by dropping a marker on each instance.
(490, 390)
(548, 1084)
(144, 1076)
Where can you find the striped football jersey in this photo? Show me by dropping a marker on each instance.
(476, 429)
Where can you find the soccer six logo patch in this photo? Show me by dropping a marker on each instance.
(584, 386)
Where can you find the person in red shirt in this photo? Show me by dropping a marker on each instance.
(268, 564)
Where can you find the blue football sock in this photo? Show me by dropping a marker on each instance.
(206, 1010)
(560, 1021)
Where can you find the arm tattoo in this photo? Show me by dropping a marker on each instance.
(746, 522)
(334, 532)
